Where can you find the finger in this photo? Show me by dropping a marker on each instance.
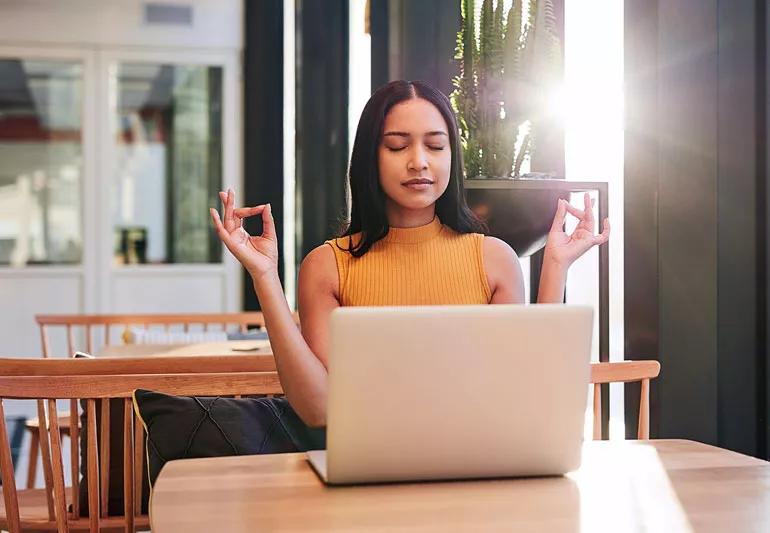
(221, 231)
(244, 212)
(268, 226)
(231, 197)
(230, 219)
(589, 210)
(574, 211)
(558, 219)
(227, 220)
(604, 236)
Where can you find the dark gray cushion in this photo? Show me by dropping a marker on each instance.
(180, 427)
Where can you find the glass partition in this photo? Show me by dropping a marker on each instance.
(41, 162)
(168, 162)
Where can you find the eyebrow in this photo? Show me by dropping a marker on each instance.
(405, 134)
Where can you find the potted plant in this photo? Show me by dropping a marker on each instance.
(510, 67)
(508, 73)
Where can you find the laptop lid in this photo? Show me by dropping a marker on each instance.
(445, 392)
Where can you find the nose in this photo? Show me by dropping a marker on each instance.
(417, 159)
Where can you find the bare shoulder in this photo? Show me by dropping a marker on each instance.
(498, 253)
(319, 270)
(317, 297)
(503, 271)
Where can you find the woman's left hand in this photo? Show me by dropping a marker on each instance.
(563, 249)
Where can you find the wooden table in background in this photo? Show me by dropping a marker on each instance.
(660, 485)
(250, 347)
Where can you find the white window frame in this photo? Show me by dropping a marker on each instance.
(231, 160)
(96, 272)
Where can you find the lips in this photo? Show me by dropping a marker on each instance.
(418, 181)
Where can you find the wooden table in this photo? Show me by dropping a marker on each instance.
(662, 485)
(251, 347)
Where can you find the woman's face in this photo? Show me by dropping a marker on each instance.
(415, 156)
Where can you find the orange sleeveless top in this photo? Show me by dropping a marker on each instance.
(427, 265)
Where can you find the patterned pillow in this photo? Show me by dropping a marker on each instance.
(181, 427)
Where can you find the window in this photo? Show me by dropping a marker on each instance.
(168, 162)
(41, 162)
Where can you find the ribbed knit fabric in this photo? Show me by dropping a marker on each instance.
(427, 265)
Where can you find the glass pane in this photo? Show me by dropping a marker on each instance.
(41, 162)
(168, 162)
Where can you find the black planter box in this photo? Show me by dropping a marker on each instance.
(520, 212)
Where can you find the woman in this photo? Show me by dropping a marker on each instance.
(411, 240)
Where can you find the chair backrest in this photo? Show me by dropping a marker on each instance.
(93, 380)
(624, 372)
(103, 328)
(156, 364)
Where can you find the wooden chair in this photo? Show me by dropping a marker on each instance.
(95, 380)
(624, 372)
(101, 327)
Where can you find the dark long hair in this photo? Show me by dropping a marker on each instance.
(367, 213)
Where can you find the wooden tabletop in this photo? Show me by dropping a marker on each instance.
(662, 485)
(251, 347)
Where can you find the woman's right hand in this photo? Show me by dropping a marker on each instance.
(258, 255)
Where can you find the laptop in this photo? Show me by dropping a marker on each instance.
(455, 392)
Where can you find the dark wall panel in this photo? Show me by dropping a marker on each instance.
(687, 203)
(379, 28)
(322, 120)
(696, 217)
(762, 19)
(263, 120)
(415, 40)
(641, 199)
(737, 224)
(428, 38)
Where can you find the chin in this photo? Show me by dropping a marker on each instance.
(416, 204)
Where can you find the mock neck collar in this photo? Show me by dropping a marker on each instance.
(414, 235)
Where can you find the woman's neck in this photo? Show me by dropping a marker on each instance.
(398, 217)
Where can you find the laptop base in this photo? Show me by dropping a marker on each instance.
(317, 459)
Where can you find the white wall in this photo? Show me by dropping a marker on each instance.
(215, 23)
(92, 31)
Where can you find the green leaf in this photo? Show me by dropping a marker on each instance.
(504, 74)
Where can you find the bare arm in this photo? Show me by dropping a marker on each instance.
(302, 373)
(503, 272)
(562, 249)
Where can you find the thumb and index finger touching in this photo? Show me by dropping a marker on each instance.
(233, 216)
(585, 216)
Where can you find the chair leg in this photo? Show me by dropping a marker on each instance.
(643, 432)
(34, 449)
(597, 433)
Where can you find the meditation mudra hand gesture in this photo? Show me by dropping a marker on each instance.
(408, 214)
(564, 248)
(258, 255)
